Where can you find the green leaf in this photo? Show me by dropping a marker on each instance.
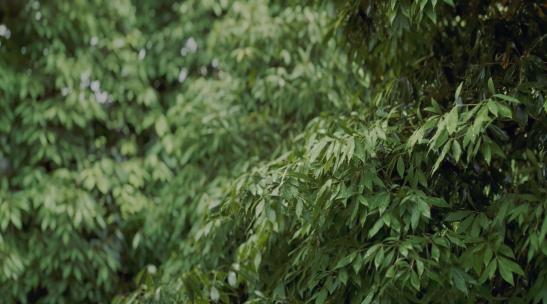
(487, 152)
(452, 120)
(400, 167)
(415, 280)
(257, 260)
(505, 111)
(321, 297)
(512, 266)
(493, 107)
(420, 267)
(487, 255)
(369, 298)
(438, 202)
(489, 271)
(214, 294)
(232, 279)
(436, 107)
(456, 150)
(299, 208)
(346, 260)
(543, 231)
(505, 271)
(381, 201)
(371, 251)
(442, 137)
(458, 92)
(16, 220)
(457, 215)
(161, 126)
(507, 98)
(375, 228)
(458, 279)
(435, 253)
(491, 86)
(441, 157)
(379, 258)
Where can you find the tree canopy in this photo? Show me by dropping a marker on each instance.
(230, 151)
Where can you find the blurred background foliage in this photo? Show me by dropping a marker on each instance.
(327, 151)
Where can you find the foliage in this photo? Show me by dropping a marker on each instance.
(273, 151)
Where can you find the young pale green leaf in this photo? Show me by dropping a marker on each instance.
(507, 98)
(161, 126)
(505, 111)
(457, 94)
(232, 279)
(440, 138)
(452, 120)
(214, 294)
(456, 150)
(493, 107)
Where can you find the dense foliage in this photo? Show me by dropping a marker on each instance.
(197, 151)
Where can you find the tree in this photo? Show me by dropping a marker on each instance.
(273, 151)
(430, 189)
